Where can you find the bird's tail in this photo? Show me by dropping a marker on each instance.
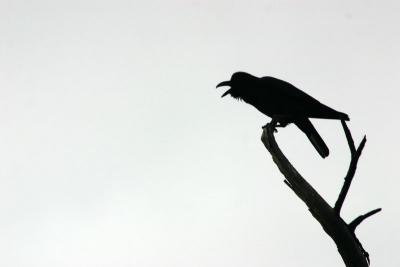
(306, 127)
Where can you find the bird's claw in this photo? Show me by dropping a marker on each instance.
(273, 125)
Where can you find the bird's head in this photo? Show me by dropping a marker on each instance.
(240, 81)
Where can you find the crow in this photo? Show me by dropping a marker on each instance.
(284, 103)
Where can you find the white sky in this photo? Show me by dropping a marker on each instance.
(117, 149)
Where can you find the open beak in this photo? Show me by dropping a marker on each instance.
(227, 92)
(225, 83)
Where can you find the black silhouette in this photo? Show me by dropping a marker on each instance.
(341, 232)
(284, 103)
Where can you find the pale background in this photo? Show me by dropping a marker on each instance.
(117, 150)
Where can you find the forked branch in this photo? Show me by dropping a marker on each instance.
(355, 155)
(342, 233)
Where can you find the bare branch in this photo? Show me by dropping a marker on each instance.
(349, 138)
(355, 155)
(349, 247)
(353, 225)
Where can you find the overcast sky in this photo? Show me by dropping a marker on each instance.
(117, 149)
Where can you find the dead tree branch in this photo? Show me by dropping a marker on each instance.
(356, 222)
(355, 155)
(342, 233)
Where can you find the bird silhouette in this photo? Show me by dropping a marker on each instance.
(284, 103)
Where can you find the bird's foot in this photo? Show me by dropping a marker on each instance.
(273, 124)
(276, 124)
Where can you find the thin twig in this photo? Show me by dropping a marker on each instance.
(353, 225)
(288, 184)
(349, 138)
(355, 155)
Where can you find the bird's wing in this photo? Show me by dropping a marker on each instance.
(299, 102)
